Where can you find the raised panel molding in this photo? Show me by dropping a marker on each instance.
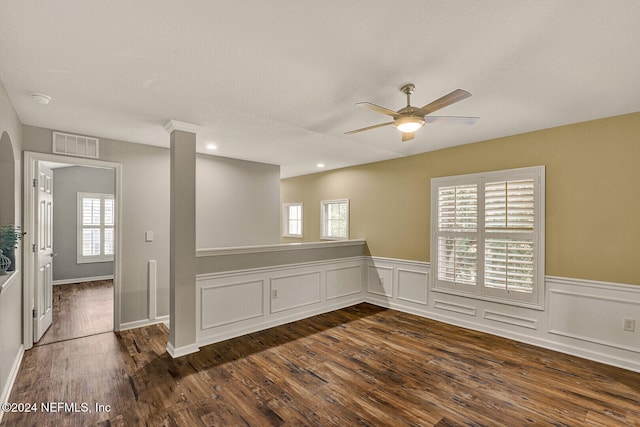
(456, 308)
(343, 281)
(380, 280)
(215, 309)
(412, 285)
(511, 319)
(601, 318)
(295, 290)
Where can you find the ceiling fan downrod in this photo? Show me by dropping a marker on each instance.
(408, 90)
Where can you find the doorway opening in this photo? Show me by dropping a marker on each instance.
(72, 219)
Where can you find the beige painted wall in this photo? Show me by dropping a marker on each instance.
(592, 196)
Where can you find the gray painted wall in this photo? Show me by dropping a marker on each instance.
(145, 207)
(67, 183)
(11, 298)
(237, 203)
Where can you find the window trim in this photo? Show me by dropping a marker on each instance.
(286, 231)
(479, 291)
(86, 259)
(323, 219)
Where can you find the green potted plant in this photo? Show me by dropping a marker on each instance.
(10, 235)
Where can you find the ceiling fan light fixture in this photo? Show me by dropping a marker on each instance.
(409, 124)
(40, 98)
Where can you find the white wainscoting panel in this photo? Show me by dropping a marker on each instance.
(344, 281)
(595, 312)
(216, 309)
(583, 318)
(234, 303)
(295, 290)
(380, 280)
(412, 285)
(510, 319)
(453, 307)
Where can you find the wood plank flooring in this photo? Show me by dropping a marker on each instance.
(79, 310)
(362, 365)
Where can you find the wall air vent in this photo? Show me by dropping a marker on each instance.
(75, 145)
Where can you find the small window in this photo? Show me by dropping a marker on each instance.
(96, 225)
(334, 215)
(292, 219)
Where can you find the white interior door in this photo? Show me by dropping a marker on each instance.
(43, 298)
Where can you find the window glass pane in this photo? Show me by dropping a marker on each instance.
(509, 265)
(293, 219)
(336, 215)
(91, 241)
(294, 212)
(457, 259)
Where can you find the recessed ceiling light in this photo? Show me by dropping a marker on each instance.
(212, 147)
(40, 98)
(320, 165)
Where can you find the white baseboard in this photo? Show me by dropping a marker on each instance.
(8, 385)
(82, 280)
(182, 351)
(142, 323)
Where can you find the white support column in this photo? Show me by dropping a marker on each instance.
(182, 253)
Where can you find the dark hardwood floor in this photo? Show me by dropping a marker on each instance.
(362, 365)
(79, 310)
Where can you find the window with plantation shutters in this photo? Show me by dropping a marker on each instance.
(487, 235)
(96, 225)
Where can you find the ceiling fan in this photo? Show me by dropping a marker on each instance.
(409, 119)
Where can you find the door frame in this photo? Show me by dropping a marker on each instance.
(31, 160)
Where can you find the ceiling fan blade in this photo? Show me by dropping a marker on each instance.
(368, 128)
(451, 98)
(378, 109)
(451, 120)
(408, 136)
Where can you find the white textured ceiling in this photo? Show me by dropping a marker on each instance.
(276, 81)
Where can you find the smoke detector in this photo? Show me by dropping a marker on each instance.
(40, 98)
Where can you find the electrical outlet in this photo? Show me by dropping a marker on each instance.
(274, 294)
(629, 324)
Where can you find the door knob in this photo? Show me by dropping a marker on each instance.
(53, 254)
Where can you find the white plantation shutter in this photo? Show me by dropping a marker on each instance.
(487, 234)
(509, 224)
(96, 221)
(457, 233)
(509, 205)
